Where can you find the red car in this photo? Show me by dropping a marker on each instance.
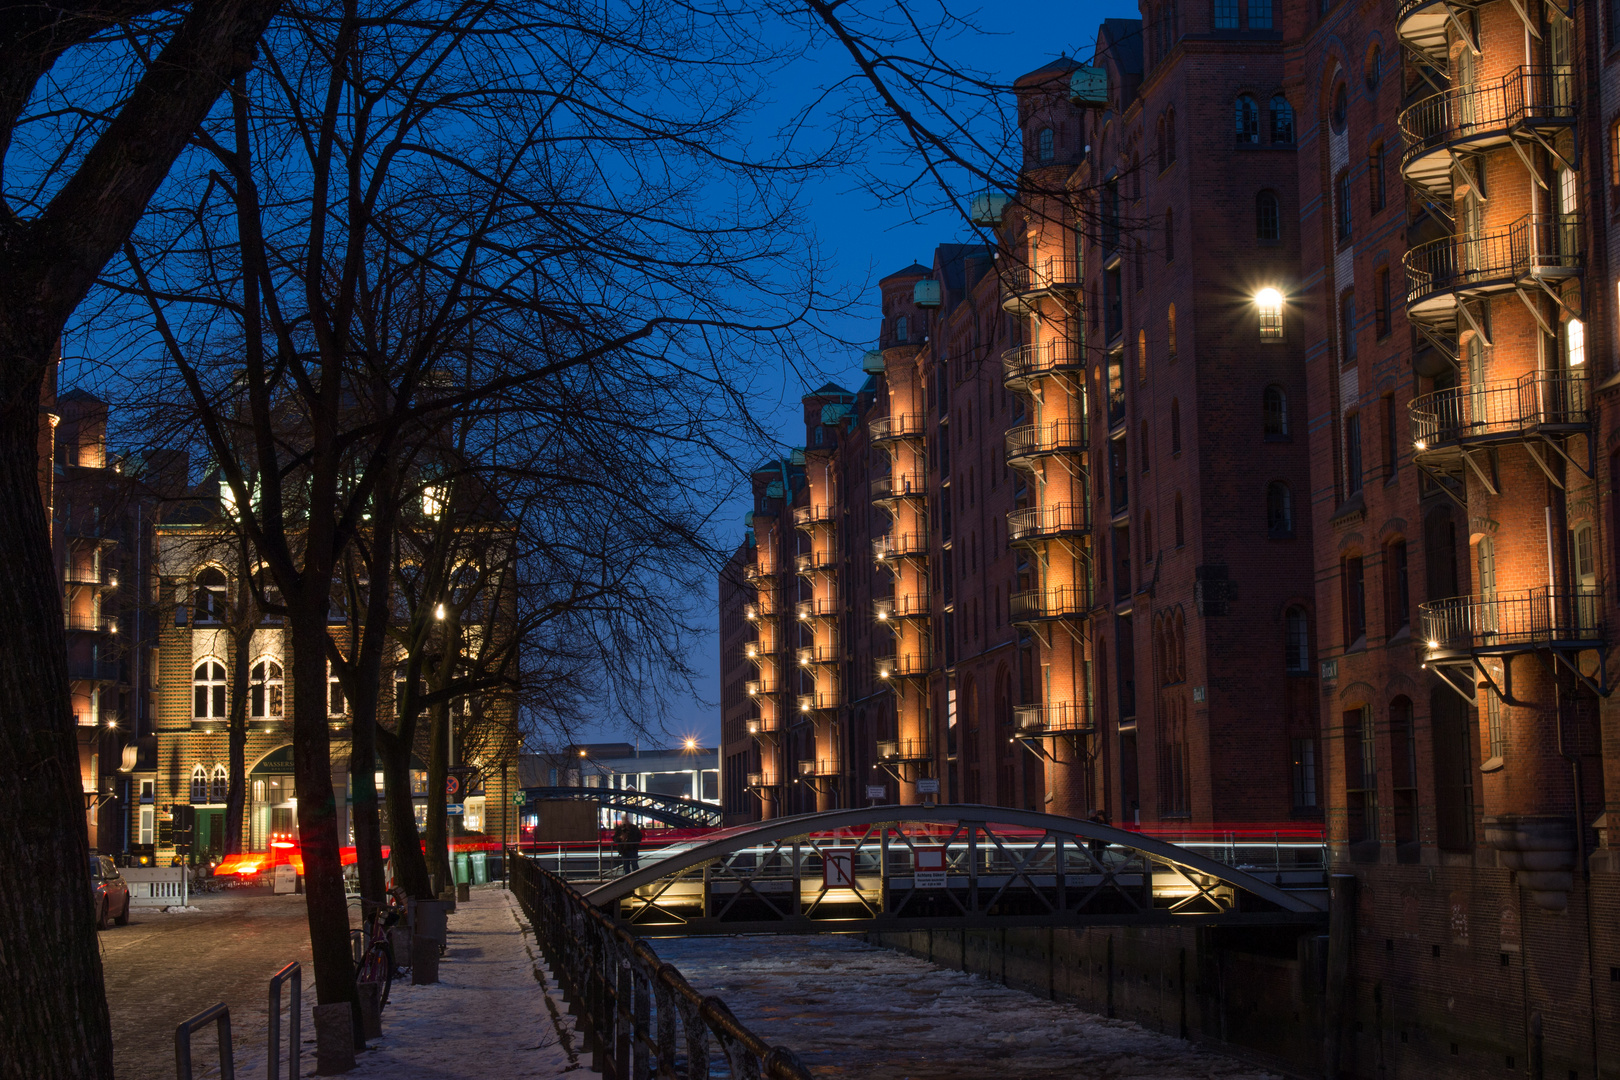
(110, 893)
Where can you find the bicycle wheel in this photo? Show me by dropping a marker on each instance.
(377, 967)
(357, 946)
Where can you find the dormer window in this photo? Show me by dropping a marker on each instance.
(1045, 145)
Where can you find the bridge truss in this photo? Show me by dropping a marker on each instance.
(669, 809)
(955, 867)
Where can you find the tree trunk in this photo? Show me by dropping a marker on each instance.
(317, 805)
(363, 776)
(438, 840)
(410, 867)
(52, 997)
(236, 794)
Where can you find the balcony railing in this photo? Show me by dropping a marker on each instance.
(912, 485)
(1536, 245)
(760, 725)
(1067, 436)
(822, 608)
(900, 546)
(1054, 602)
(904, 750)
(819, 654)
(813, 515)
(1502, 411)
(899, 426)
(1042, 522)
(1053, 272)
(1026, 362)
(101, 624)
(91, 575)
(908, 665)
(813, 561)
(1058, 716)
(762, 687)
(906, 606)
(1508, 621)
(764, 608)
(755, 574)
(763, 780)
(821, 699)
(1526, 96)
(818, 767)
(93, 670)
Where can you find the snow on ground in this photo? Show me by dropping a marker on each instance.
(493, 1013)
(849, 1009)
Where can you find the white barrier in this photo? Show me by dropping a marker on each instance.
(155, 886)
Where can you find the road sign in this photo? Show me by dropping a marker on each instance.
(876, 791)
(930, 872)
(928, 786)
(838, 870)
(454, 809)
(452, 785)
(521, 797)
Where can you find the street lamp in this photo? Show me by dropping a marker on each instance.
(1270, 302)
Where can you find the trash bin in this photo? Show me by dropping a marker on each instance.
(461, 869)
(480, 868)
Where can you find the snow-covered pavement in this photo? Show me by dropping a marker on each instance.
(853, 1010)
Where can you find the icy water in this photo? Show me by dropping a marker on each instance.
(853, 1010)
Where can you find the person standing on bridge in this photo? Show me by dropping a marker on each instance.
(627, 835)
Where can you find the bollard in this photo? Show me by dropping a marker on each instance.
(424, 961)
(463, 891)
(334, 1038)
(293, 972)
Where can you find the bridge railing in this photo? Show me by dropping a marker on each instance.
(638, 1014)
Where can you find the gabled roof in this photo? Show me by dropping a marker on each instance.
(914, 270)
(1061, 66)
(829, 390)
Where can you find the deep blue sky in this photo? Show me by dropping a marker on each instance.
(868, 240)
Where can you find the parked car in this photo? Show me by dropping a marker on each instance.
(109, 891)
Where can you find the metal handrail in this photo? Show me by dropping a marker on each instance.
(1053, 602)
(759, 687)
(1460, 112)
(1520, 617)
(220, 1016)
(904, 606)
(904, 749)
(813, 515)
(1535, 242)
(818, 767)
(638, 1014)
(105, 624)
(1064, 436)
(818, 608)
(811, 561)
(908, 665)
(1053, 716)
(898, 426)
(1036, 521)
(900, 485)
(759, 724)
(295, 1046)
(819, 654)
(820, 699)
(899, 545)
(1502, 408)
(1052, 272)
(1029, 360)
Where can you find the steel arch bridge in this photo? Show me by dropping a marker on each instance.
(670, 809)
(902, 868)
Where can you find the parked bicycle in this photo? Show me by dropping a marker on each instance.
(374, 960)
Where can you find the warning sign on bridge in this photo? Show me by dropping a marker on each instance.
(838, 870)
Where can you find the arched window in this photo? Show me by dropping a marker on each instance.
(199, 785)
(1275, 408)
(1296, 642)
(1170, 329)
(1279, 510)
(900, 328)
(1341, 105)
(1247, 115)
(1267, 216)
(219, 785)
(1045, 145)
(1374, 68)
(210, 598)
(1282, 120)
(265, 689)
(208, 691)
(1141, 356)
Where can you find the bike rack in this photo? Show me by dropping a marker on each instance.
(295, 973)
(220, 1015)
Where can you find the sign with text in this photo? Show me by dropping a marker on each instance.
(876, 791)
(838, 870)
(930, 873)
(928, 786)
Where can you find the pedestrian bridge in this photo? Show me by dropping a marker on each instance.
(958, 867)
(669, 809)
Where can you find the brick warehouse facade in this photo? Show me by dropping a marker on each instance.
(1280, 495)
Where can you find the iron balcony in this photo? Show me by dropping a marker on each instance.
(812, 562)
(1512, 622)
(904, 750)
(755, 574)
(1053, 718)
(762, 687)
(806, 516)
(820, 700)
(1450, 421)
(1443, 272)
(1524, 101)
(825, 607)
(907, 606)
(900, 546)
(1040, 523)
(911, 485)
(819, 654)
(911, 665)
(98, 624)
(1028, 362)
(1053, 602)
(93, 670)
(1025, 284)
(1422, 25)
(1027, 442)
(764, 608)
(94, 575)
(818, 767)
(760, 725)
(763, 780)
(899, 426)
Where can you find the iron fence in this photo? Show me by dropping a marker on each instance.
(1526, 94)
(1054, 602)
(639, 1015)
(1535, 242)
(898, 545)
(1521, 617)
(909, 665)
(1066, 436)
(1041, 521)
(1053, 716)
(1053, 272)
(1028, 361)
(900, 485)
(1502, 408)
(898, 426)
(903, 606)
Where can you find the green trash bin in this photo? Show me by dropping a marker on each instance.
(461, 869)
(480, 868)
